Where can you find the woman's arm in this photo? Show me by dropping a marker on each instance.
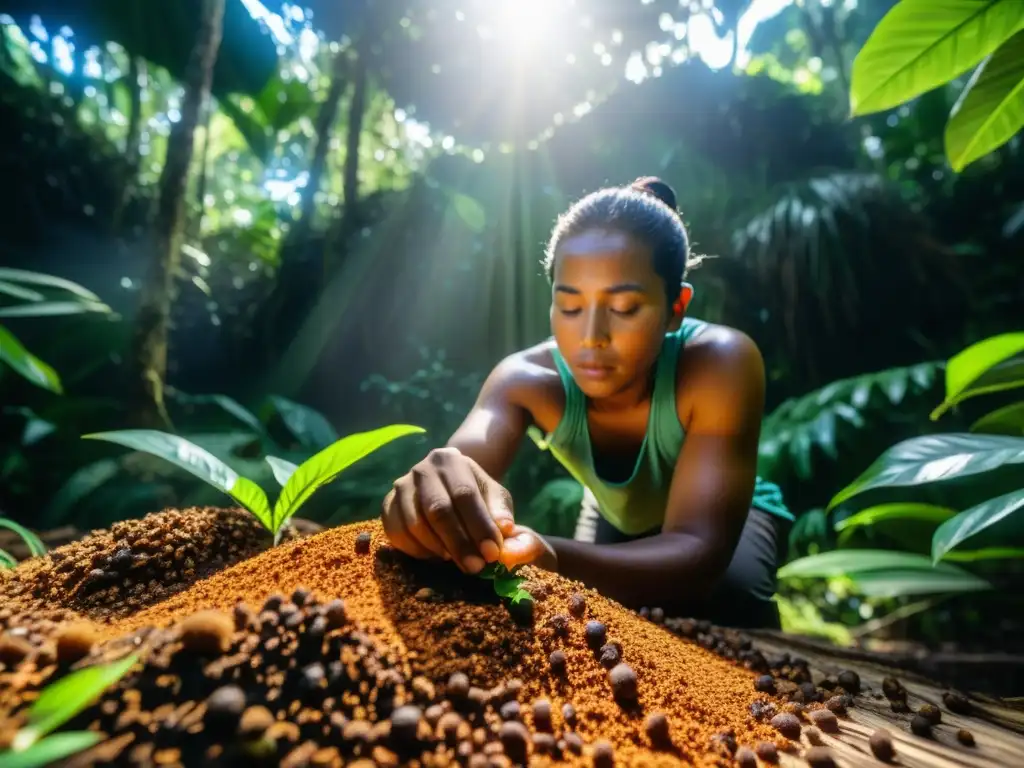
(711, 488)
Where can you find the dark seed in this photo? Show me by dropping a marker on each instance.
(458, 685)
(224, 708)
(542, 715)
(837, 704)
(657, 615)
(573, 743)
(405, 723)
(596, 632)
(787, 724)
(965, 737)
(273, 602)
(881, 745)
(893, 689)
(765, 684)
(920, 726)
(931, 713)
(569, 714)
(610, 655)
(767, 752)
(746, 758)
(514, 738)
(363, 543)
(899, 706)
(956, 702)
(657, 729)
(725, 742)
(604, 755)
(810, 692)
(814, 736)
(849, 680)
(509, 710)
(560, 624)
(623, 681)
(819, 757)
(300, 596)
(557, 661)
(544, 743)
(577, 605)
(824, 719)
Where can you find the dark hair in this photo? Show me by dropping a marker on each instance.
(646, 210)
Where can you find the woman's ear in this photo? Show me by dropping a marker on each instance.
(680, 306)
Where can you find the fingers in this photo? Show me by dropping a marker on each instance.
(417, 527)
(520, 548)
(396, 530)
(436, 507)
(469, 489)
(498, 500)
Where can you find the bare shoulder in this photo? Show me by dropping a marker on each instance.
(720, 370)
(530, 380)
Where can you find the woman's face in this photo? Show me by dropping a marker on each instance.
(608, 311)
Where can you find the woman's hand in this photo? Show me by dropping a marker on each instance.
(525, 546)
(448, 507)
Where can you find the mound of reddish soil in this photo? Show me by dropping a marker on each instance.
(338, 648)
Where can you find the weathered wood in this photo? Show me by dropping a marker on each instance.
(997, 727)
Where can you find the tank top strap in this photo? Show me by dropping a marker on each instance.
(574, 418)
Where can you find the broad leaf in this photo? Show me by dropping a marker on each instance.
(50, 750)
(307, 425)
(987, 553)
(197, 461)
(17, 292)
(26, 364)
(33, 542)
(991, 365)
(54, 309)
(7, 560)
(922, 44)
(932, 458)
(229, 405)
(328, 464)
(990, 110)
(899, 511)
(856, 562)
(65, 698)
(899, 583)
(283, 470)
(1008, 420)
(12, 275)
(973, 521)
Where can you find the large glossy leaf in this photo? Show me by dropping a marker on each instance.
(991, 365)
(990, 110)
(54, 309)
(197, 461)
(973, 521)
(17, 292)
(282, 469)
(64, 699)
(26, 364)
(921, 44)
(326, 465)
(227, 404)
(51, 749)
(856, 562)
(881, 513)
(900, 583)
(33, 542)
(1008, 420)
(309, 427)
(27, 277)
(934, 458)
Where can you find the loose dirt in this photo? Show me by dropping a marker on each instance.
(337, 649)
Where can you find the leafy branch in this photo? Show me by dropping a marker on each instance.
(507, 583)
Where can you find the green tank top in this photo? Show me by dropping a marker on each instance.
(638, 504)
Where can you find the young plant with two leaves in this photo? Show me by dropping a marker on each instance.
(298, 482)
(947, 499)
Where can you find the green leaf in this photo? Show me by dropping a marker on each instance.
(987, 553)
(18, 292)
(51, 749)
(328, 464)
(897, 510)
(197, 461)
(54, 309)
(51, 281)
(991, 365)
(283, 470)
(508, 586)
(973, 521)
(7, 560)
(26, 364)
(990, 110)
(900, 583)
(932, 458)
(307, 425)
(65, 698)
(856, 562)
(470, 211)
(33, 542)
(1008, 420)
(922, 44)
(227, 404)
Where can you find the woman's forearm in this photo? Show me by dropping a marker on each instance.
(657, 571)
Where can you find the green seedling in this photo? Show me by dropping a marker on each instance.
(33, 542)
(298, 481)
(506, 583)
(58, 703)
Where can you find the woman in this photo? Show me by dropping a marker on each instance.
(657, 414)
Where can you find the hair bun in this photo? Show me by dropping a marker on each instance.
(652, 185)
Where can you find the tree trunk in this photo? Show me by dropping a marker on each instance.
(325, 120)
(149, 345)
(136, 83)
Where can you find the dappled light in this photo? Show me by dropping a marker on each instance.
(293, 414)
